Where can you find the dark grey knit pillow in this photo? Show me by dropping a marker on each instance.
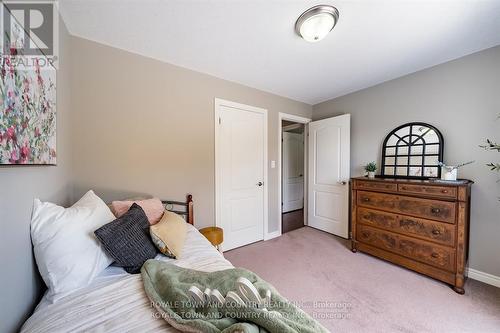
(127, 239)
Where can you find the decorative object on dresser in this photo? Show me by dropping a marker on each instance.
(422, 225)
(450, 172)
(412, 150)
(370, 169)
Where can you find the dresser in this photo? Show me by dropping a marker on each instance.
(422, 225)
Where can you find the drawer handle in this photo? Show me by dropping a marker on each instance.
(365, 234)
(435, 255)
(435, 210)
(404, 188)
(444, 191)
(436, 232)
(366, 199)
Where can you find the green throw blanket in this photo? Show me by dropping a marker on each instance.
(167, 287)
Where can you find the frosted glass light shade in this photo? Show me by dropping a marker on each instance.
(315, 23)
(317, 27)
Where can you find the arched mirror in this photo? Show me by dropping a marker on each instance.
(412, 150)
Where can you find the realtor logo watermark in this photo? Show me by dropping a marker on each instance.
(30, 33)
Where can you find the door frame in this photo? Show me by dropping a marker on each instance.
(301, 120)
(218, 103)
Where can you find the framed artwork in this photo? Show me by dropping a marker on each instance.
(412, 150)
(27, 114)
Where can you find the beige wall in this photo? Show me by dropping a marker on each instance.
(146, 127)
(139, 126)
(462, 99)
(21, 284)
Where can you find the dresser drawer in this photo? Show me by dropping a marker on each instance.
(374, 185)
(378, 201)
(435, 191)
(424, 208)
(426, 252)
(381, 239)
(439, 232)
(427, 208)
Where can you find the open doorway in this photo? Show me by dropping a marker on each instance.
(292, 175)
(325, 199)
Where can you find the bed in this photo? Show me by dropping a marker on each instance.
(115, 301)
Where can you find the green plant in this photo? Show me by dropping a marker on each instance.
(492, 146)
(371, 167)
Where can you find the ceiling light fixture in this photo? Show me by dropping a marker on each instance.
(316, 22)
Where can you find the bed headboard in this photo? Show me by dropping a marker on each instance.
(184, 209)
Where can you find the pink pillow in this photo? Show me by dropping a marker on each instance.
(152, 207)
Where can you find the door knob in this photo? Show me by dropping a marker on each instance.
(260, 183)
(342, 182)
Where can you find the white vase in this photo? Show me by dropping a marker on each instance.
(371, 174)
(449, 173)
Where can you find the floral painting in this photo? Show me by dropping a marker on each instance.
(27, 113)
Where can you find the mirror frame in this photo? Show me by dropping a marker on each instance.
(439, 154)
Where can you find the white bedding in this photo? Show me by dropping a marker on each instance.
(115, 301)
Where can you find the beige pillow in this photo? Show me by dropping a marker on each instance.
(169, 234)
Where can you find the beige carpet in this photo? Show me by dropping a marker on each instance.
(354, 292)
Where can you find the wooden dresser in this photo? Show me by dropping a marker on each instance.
(422, 225)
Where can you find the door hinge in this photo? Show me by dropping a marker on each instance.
(350, 234)
(220, 121)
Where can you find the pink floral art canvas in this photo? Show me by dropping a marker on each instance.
(27, 113)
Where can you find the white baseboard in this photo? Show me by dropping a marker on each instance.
(271, 235)
(484, 277)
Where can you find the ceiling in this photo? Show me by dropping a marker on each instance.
(254, 43)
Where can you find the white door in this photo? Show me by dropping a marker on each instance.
(293, 171)
(241, 158)
(328, 189)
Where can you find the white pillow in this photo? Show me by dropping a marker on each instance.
(68, 254)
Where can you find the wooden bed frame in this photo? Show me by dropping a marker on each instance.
(184, 209)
